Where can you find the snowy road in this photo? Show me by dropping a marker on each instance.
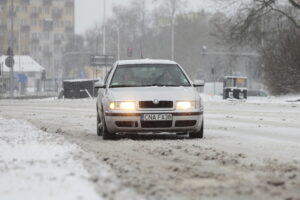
(250, 151)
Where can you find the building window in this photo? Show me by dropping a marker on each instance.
(46, 10)
(34, 35)
(46, 36)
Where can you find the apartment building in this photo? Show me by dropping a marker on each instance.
(41, 30)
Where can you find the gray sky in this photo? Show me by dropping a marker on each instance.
(89, 12)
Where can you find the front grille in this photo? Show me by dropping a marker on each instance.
(156, 124)
(185, 123)
(126, 123)
(161, 104)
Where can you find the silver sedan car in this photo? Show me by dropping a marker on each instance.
(147, 95)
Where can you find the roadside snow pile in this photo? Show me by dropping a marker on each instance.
(38, 165)
(277, 99)
(211, 98)
(269, 99)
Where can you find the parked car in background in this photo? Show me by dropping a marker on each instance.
(257, 93)
(148, 96)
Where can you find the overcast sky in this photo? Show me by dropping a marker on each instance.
(89, 12)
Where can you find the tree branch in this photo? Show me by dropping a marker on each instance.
(295, 4)
(292, 19)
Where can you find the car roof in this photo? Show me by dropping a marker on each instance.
(144, 61)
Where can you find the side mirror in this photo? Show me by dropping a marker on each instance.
(199, 83)
(99, 84)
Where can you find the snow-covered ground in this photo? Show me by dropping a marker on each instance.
(37, 165)
(250, 150)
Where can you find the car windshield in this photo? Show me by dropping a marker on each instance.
(143, 75)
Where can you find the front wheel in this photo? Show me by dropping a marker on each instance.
(106, 135)
(198, 134)
(99, 125)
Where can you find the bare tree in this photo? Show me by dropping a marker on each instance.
(171, 8)
(272, 28)
(249, 24)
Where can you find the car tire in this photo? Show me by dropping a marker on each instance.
(106, 135)
(198, 134)
(99, 126)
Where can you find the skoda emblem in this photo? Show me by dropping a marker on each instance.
(155, 101)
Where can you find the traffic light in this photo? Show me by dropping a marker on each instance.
(129, 52)
(10, 51)
(9, 61)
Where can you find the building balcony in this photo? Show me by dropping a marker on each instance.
(35, 41)
(3, 27)
(34, 15)
(10, 13)
(57, 41)
(48, 25)
(56, 14)
(25, 28)
(3, 1)
(47, 53)
(47, 2)
(25, 1)
(69, 3)
(69, 29)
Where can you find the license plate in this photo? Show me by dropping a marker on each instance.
(156, 117)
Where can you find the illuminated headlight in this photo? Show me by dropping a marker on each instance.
(122, 105)
(184, 105)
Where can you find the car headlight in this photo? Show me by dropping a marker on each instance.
(122, 105)
(184, 105)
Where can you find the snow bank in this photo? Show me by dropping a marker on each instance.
(38, 165)
(270, 99)
(277, 99)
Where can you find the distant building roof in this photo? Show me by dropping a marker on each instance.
(23, 64)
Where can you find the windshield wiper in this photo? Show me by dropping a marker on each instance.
(147, 85)
(117, 86)
(162, 85)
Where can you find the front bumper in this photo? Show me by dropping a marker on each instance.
(131, 122)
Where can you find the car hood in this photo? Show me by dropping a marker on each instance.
(151, 93)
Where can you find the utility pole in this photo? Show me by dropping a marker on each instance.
(143, 29)
(12, 81)
(104, 34)
(172, 39)
(104, 27)
(118, 33)
(173, 16)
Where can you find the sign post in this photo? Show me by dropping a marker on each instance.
(9, 62)
(102, 60)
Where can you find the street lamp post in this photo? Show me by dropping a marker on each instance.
(104, 27)
(118, 35)
(104, 33)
